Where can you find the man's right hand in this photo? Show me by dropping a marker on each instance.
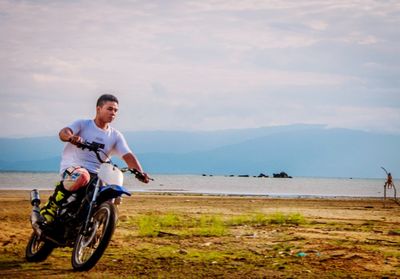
(75, 139)
(67, 135)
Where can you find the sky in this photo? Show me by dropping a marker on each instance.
(200, 65)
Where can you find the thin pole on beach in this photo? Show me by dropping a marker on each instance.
(389, 184)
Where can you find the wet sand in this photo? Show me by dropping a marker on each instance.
(346, 238)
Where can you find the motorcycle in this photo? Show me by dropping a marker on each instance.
(86, 221)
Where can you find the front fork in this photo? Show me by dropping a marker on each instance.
(91, 207)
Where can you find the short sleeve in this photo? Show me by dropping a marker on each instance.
(121, 147)
(76, 126)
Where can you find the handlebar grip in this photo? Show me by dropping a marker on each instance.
(139, 175)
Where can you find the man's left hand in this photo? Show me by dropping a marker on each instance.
(143, 178)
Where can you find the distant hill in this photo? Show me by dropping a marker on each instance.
(299, 150)
(185, 142)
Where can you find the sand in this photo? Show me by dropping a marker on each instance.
(353, 238)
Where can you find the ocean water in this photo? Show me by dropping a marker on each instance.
(221, 185)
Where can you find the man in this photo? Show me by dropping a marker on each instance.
(78, 166)
(389, 181)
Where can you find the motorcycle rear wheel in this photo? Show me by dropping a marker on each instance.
(38, 250)
(89, 248)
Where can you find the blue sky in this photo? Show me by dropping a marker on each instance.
(200, 65)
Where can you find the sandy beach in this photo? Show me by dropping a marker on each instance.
(223, 237)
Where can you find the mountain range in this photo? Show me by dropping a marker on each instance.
(299, 150)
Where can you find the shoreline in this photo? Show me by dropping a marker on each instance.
(188, 193)
(217, 175)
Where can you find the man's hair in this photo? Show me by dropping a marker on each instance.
(106, 98)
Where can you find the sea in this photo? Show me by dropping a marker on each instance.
(297, 187)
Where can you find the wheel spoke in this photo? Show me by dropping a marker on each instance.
(38, 244)
(89, 244)
(38, 249)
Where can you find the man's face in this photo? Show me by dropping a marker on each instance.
(108, 111)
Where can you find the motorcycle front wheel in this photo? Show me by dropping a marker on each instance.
(89, 248)
(38, 249)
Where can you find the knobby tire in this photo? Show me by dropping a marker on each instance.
(105, 210)
(38, 250)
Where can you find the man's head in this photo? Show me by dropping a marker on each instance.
(106, 108)
(106, 98)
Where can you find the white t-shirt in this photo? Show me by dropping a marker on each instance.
(114, 144)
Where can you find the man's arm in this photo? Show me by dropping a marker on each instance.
(133, 163)
(66, 134)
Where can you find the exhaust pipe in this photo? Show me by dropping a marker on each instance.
(36, 218)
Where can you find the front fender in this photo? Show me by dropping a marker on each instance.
(111, 192)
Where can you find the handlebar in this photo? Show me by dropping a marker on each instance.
(96, 147)
(91, 146)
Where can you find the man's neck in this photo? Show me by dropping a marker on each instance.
(101, 124)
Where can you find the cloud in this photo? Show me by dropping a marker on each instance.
(383, 119)
(200, 64)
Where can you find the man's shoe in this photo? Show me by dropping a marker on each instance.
(49, 210)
